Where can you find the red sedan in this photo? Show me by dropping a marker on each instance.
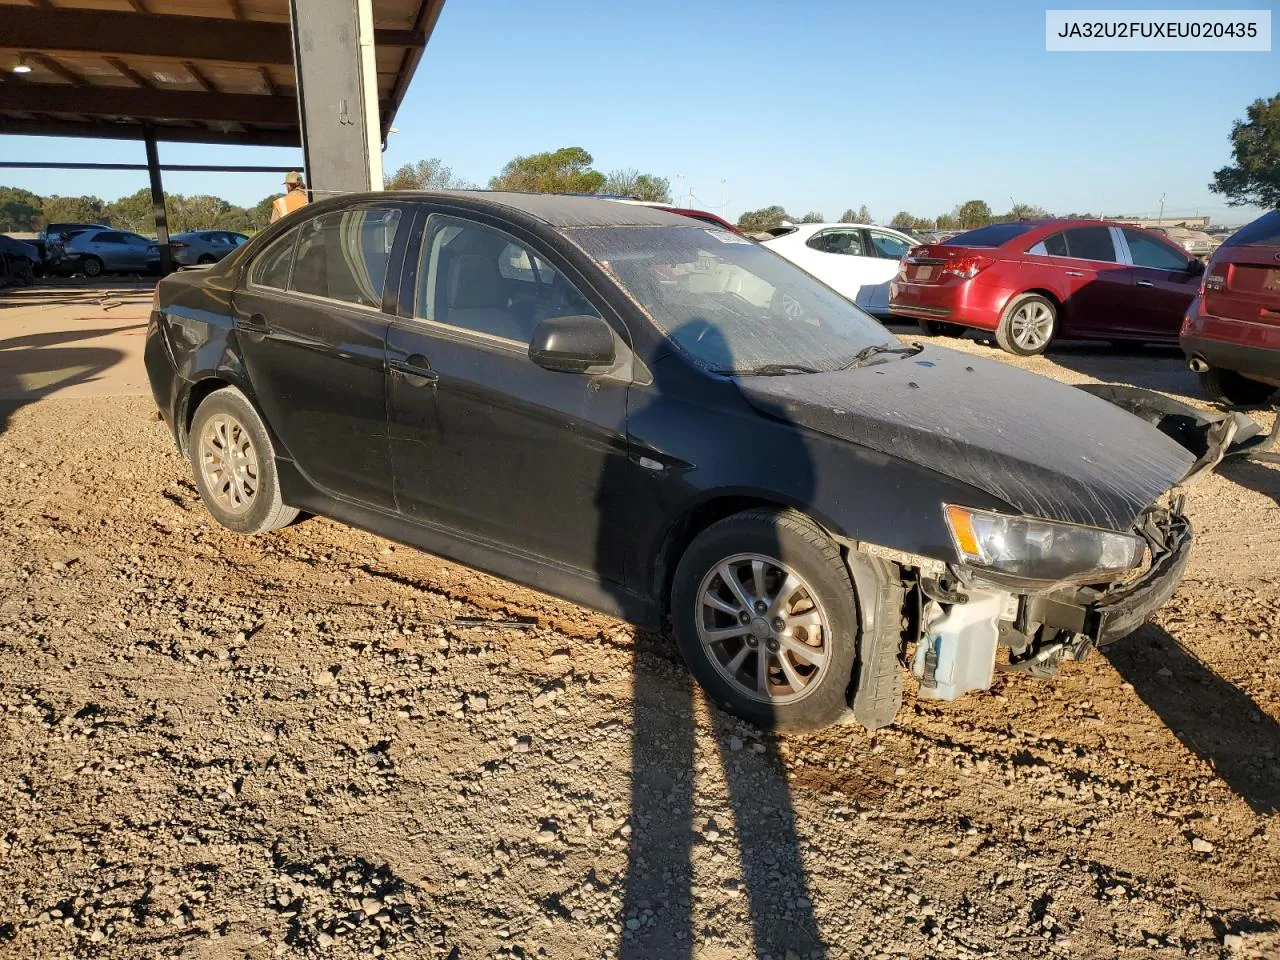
(1033, 280)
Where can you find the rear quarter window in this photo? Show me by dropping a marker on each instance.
(994, 235)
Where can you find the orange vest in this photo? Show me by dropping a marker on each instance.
(291, 201)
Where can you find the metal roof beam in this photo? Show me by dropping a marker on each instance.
(151, 104)
(105, 130)
(114, 33)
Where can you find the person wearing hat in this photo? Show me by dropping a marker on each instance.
(295, 196)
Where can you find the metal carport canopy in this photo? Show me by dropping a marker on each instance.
(202, 71)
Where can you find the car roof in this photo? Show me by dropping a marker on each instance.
(554, 209)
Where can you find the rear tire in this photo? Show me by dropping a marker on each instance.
(92, 267)
(1230, 386)
(940, 328)
(234, 465)
(1028, 325)
(799, 604)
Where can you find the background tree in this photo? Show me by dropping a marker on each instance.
(905, 220)
(1025, 211)
(973, 213)
(642, 186)
(19, 209)
(567, 170)
(134, 212)
(862, 216)
(429, 174)
(73, 210)
(1254, 179)
(812, 217)
(766, 218)
(947, 221)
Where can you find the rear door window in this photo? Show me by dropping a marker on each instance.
(846, 242)
(1054, 245)
(1091, 243)
(343, 255)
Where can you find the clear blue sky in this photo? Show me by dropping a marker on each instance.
(812, 104)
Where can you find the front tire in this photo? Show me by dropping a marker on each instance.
(764, 613)
(234, 465)
(1028, 325)
(1235, 389)
(92, 267)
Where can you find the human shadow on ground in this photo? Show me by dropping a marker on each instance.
(1212, 717)
(36, 365)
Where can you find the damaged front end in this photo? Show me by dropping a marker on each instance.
(961, 616)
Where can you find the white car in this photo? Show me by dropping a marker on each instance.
(856, 260)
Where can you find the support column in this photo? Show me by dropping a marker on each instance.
(333, 54)
(157, 204)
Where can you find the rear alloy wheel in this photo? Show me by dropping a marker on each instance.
(234, 465)
(1028, 325)
(940, 328)
(91, 266)
(764, 614)
(1235, 389)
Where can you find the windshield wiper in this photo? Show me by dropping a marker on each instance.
(867, 353)
(769, 370)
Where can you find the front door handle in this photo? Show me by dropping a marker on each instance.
(1145, 283)
(1075, 273)
(415, 368)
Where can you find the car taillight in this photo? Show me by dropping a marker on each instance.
(178, 246)
(967, 267)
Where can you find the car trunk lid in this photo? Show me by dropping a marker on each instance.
(1243, 283)
(936, 263)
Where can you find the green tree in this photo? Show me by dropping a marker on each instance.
(199, 212)
(812, 217)
(1024, 211)
(1254, 179)
(73, 210)
(863, 215)
(947, 221)
(973, 213)
(766, 218)
(567, 170)
(19, 209)
(642, 186)
(907, 221)
(429, 174)
(134, 212)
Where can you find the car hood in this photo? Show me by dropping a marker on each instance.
(1046, 449)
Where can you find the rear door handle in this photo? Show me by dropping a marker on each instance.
(1075, 273)
(415, 368)
(1145, 283)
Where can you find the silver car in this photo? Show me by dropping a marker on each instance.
(199, 246)
(95, 252)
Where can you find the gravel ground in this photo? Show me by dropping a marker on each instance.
(289, 746)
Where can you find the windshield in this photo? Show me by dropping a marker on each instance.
(729, 303)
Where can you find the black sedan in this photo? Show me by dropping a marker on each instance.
(665, 421)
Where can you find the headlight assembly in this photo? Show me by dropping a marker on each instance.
(1041, 551)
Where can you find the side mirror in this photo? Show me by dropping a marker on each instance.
(578, 344)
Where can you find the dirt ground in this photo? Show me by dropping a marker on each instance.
(219, 747)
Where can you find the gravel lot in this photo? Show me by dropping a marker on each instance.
(218, 747)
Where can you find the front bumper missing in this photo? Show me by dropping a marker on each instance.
(1106, 618)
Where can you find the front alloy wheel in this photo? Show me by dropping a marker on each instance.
(763, 628)
(764, 612)
(229, 463)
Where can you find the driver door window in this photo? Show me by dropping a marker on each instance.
(480, 279)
